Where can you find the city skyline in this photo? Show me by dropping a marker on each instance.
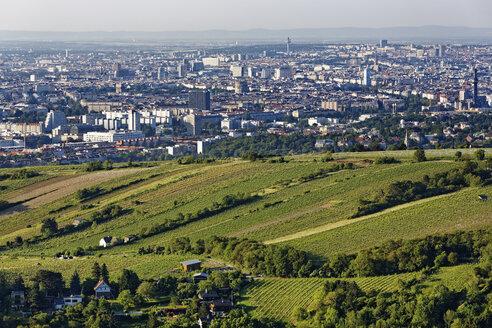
(155, 16)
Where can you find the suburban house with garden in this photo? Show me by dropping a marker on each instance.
(102, 289)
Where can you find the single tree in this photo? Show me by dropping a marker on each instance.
(18, 283)
(125, 298)
(35, 297)
(419, 155)
(50, 282)
(104, 273)
(96, 271)
(49, 227)
(203, 311)
(75, 287)
(152, 322)
(129, 280)
(480, 154)
(146, 289)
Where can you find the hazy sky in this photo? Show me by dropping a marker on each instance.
(166, 15)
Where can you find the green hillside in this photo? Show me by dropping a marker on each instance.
(291, 205)
(309, 203)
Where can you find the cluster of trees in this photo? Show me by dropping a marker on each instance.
(250, 255)
(107, 213)
(19, 175)
(97, 314)
(407, 191)
(400, 256)
(227, 202)
(98, 165)
(128, 290)
(374, 146)
(386, 160)
(263, 145)
(191, 159)
(394, 256)
(389, 127)
(88, 193)
(23, 174)
(46, 285)
(344, 304)
(478, 154)
(318, 174)
(69, 106)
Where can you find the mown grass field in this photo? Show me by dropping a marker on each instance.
(147, 266)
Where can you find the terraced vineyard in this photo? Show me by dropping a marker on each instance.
(277, 298)
(312, 210)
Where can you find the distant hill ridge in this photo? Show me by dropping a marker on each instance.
(417, 33)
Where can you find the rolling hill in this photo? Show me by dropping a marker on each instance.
(303, 202)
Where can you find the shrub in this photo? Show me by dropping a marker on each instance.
(386, 160)
(23, 174)
(480, 155)
(419, 155)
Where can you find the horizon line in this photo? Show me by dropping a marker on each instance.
(247, 30)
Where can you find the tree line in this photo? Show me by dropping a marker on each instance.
(270, 144)
(400, 192)
(393, 256)
(398, 256)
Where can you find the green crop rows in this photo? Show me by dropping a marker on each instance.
(277, 298)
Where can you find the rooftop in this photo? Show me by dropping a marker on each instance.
(191, 262)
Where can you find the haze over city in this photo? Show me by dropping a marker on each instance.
(158, 15)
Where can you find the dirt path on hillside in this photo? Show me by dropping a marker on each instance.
(44, 192)
(342, 223)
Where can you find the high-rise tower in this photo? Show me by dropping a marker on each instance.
(475, 88)
(288, 45)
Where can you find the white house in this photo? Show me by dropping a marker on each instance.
(105, 241)
(102, 289)
(72, 300)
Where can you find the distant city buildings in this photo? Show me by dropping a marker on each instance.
(54, 119)
(112, 136)
(134, 120)
(199, 99)
(114, 96)
(366, 80)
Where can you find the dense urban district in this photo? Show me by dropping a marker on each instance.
(79, 105)
(278, 186)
